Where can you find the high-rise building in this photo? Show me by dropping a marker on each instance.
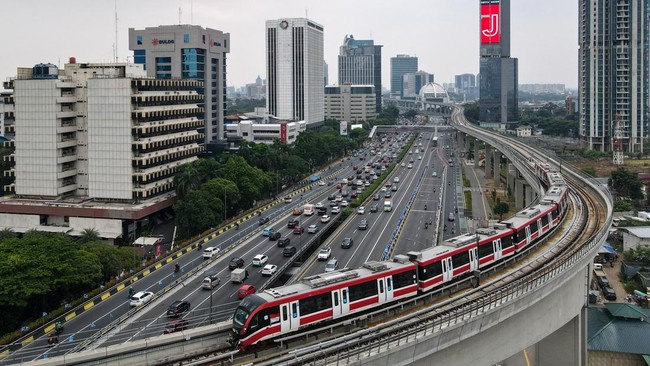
(400, 65)
(295, 70)
(360, 64)
(464, 81)
(97, 133)
(613, 73)
(498, 71)
(188, 52)
(350, 103)
(413, 82)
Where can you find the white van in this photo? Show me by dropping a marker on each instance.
(210, 281)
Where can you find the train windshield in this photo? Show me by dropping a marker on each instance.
(245, 308)
(241, 314)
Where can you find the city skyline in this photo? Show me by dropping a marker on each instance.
(543, 38)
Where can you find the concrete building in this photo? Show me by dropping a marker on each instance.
(350, 103)
(635, 237)
(256, 90)
(294, 70)
(265, 133)
(613, 73)
(97, 146)
(360, 64)
(400, 65)
(7, 114)
(188, 52)
(498, 71)
(413, 82)
(524, 131)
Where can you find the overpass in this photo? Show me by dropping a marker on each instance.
(422, 106)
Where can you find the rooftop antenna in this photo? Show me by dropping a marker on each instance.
(115, 49)
(306, 13)
(179, 15)
(191, 12)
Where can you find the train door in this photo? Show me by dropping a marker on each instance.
(447, 269)
(540, 228)
(473, 259)
(289, 316)
(527, 235)
(497, 249)
(382, 290)
(340, 303)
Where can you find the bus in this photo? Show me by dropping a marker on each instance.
(315, 178)
(434, 141)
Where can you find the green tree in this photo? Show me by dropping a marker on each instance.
(626, 184)
(89, 235)
(501, 208)
(194, 213)
(187, 179)
(622, 206)
(7, 233)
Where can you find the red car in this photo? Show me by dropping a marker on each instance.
(245, 290)
(298, 230)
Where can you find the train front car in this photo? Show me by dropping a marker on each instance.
(241, 321)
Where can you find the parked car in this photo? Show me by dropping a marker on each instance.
(609, 293)
(245, 290)
(260, 260)
(269, 270)
(289, 251)
(324, 253)
(141, 298)
(283, 242)
(177, 308)
(236, 262)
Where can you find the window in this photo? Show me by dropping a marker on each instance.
(363, 290)
(533, 227)
(460, 259)
(432, 270)
(485, 250)
(316, 303)
(404, 279)
(186, 38)
(139, 40)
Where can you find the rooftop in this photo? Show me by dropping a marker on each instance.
(618, 327)
(638, 231)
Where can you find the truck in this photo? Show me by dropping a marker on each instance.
(601, 277)
(388, 205)
(308, 210)
(238, 275)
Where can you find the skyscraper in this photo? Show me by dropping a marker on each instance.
(295, 70)
(400, 65)
(613, 73)
(188, 52)
(360, 64)
(413, 82)
(498, 71)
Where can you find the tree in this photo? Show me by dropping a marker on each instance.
(89, 235)
(187, 179)
(6, 233)
(500, 209)
(626, 184)
(622, 206)
(194, 213)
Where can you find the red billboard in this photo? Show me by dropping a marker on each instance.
(283, 132)
(490, 23)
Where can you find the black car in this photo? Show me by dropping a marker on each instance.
(275, 236)
(293, 223)
(177, 308)
(178, 325)
(236, 263)
(322, 210)
(347, 243)
(263, 220)
(331, 197)
(374, 208)
(289, 251)
(283, 242)
(609, 293)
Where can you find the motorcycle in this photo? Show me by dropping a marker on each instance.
(425, 207)
(426, 225)
(177, 268)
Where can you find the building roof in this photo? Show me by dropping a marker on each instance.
(617, 327)
(433, 90)
(638, 231)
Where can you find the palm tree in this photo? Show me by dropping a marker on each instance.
(89, 235)
(7, 233)
(187, 179)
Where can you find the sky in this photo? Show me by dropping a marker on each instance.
(443, 34)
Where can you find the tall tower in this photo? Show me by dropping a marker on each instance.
(360, 64)
(613, 74)
(295, 70)
(498, 71)
(188, 52)
(400, 65)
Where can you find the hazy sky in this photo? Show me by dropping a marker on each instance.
(442, 33)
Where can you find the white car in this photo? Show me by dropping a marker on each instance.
(319, 205)
(361, 210)
(420, 157)
(321, 183)
(210, 252)
(312, 229)
(384, 189)
(324, 253)
(338, 198)
(326, 218)
(260, 260)
(410, 166)
(140, 298)
(344, 203)
(269, 270)
(336, 209)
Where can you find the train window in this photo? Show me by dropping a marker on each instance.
(284, 313)
(363, 290)
(432, 270)
(403, 279)
(460, 259)
(516, 236)
(294, 310)
(381, 286)
(315, 303)
(544, 220)
(336, 299)
(555, 213)
(506, 242)
(389, 284)
(485, 249)
(534, 227)
(345, 296)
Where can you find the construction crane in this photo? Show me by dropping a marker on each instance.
(617, 142)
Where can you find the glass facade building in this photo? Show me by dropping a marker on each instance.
(360, 64)
(400, 65)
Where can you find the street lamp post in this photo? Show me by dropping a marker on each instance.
(225, 205)
(211, 293)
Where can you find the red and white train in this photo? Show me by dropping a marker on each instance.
(337, 294)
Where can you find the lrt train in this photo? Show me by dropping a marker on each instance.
(333, 295)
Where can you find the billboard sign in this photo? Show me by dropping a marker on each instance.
(343, 128)
(490, 22)
(283, 132)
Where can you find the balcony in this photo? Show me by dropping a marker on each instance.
(66, 143)
(65, 84)
(10, 173)
(67, 99)
(66, 114)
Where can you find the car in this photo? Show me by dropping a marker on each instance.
(263, 220)
(283, 242)
(420, 157)
(366, 184)
(260, 260)
(375, 197)
(354, 194)
(269, 270)
(177, 308)
(384, 189)
(177, 325)
(394, 188)
(324, 253)
(321, 183)
(451, 217)
(333, 203)
(434, 174)
(403, 165)
(361, 210)
(235, 262)
(268, 231)
(210, 252)
(312, 229)
(609, 293)
(387, 195)
(335, 210)
(396, 179)
(245, 290)
(346, 243)
(293, 223)
(410, 166)
(331, 197)
(363, 224)
(288, 199)
(289, 251)
(140, 298)
(339, 198)
(298, 230)
(374, 208)
(332, 265)
(210, 281)
(297, 211)
(322, 210)
(319, 205)
(344, 203)
(275, 236)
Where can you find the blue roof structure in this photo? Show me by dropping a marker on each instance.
(618, 327)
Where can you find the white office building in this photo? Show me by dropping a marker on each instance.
(295, 70)
(266, 133)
